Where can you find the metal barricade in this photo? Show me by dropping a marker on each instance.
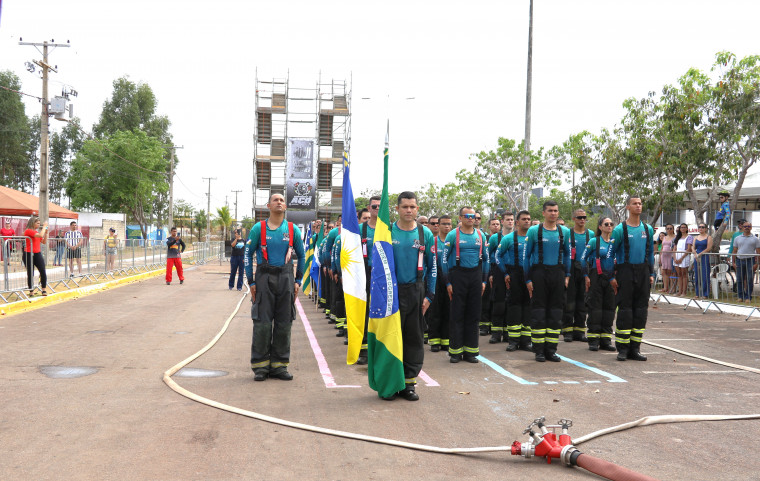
(711, 280)
(99, 260)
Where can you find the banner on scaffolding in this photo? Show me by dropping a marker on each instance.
(300, 174)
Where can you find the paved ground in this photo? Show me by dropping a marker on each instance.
(123, 422)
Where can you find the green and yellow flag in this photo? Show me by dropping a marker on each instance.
(384, 343)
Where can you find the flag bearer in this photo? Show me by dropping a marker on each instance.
(415, 274)
(273, 289)
(510, 253)
(465, 263)
(546, 262)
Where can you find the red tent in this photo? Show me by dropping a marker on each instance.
(14, 202)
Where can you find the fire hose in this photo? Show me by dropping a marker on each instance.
(540, 444)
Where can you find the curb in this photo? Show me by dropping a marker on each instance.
(38, 302)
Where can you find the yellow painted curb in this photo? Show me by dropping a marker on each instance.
(38, 302)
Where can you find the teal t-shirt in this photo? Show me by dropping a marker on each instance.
(580, 243)
(588, 258)
(472, 249)
(506, 251)
(277, 248)
(551, 249)
(406, 248)
(638, 238)
(370, 240)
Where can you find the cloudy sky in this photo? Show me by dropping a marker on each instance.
(462, 62)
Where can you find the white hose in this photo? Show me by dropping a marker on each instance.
(420, 447)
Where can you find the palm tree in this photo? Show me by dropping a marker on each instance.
(200, 222)
(224, 219)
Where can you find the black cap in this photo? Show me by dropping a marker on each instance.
(112, 229)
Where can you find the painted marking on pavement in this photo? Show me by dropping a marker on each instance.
(610, 377)
(324, 369)
(694, 372)
(429, 381)
(503, 371)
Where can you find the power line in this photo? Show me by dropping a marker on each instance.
(22, 93)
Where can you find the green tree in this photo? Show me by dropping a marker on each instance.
(223, 220)
(507, 175)
(200, 223)
(247, 223)
(123, 172)
(15, 171)
(63, 147)
(132, 107)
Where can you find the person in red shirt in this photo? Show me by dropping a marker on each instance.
(6, 232)
(32, 256)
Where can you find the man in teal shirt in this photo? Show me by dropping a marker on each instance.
(574, 319)
(416, 276)
(465, 264)
(546, 263)
(633, 248)
(273, 289)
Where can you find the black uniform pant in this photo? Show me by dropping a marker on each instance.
(518, 307)
(498, 303)
(272, 313)
(601, 304)
(633, 304)
(485, 307)
(574, 318)
(339, 303)
(546, 306)
(467, 287)
(410, 297)
(438, 327)
(325, 297)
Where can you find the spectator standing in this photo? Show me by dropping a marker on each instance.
(74, 241)
(746, 249)
(110, 246)
(32, 255)
(682, 258)
(701, 248)
(7, 232)
(175, 246)
(60, 248)
(237, 260)
(666, 256)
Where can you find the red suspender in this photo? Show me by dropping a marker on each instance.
(290, 243)
(480, 252)
(264, 240)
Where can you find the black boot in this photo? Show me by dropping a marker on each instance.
(495, 338)
(435, 347)
(485, 330)
(633, 352)
(525, 344)
(550, 352)
(593, 344)
(622, 353)
(341, 332)
(513, 345)
(538, 349)
(579, 336)
(567, 336)
(606, 345)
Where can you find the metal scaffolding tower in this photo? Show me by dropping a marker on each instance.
(285, 112)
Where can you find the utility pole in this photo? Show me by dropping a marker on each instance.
(208, 211)
(44, 142)
(528, 94)
(236, 192)
(171, 185)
